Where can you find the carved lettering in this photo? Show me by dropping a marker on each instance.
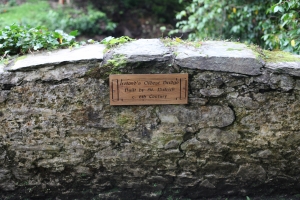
(151, 96)
(170, 82)
(130, 89)
(151, 82)
(165, 89)
(147, 89)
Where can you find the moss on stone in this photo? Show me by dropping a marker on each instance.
(111, 42)
(125, 119)
(280, 56)
(116, 63)
(94, 72)
(234, 49)
(273, 56)
(177, 41)
(21, 58)
(122, 120)
(112, 66)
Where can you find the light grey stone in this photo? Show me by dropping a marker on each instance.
(192, 144)
(251, 172)
(144, 50)
(213, 92)
(1, 68)
(282, 81)
(11, 78)
(263, 154)
(199, 101)
(172, 144)
(244, 102)
(217, 135)
(36, 148)
(291, 68)
(84, 53)
(204, 116)
(219, 56)
(3, 95)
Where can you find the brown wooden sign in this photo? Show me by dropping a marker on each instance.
(148, 89)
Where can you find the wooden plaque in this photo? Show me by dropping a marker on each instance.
(148, 89)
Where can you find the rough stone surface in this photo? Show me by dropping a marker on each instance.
(144, 50)
(219, 56)
(291, 68)
(60, 138)
(29, 62)
(142, 56)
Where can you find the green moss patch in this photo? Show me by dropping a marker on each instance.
(235, 49)
(177, 41)
(280, 56)
(273, 56)
(116, 63)
(111, 42)
(126, 120)
(21, 58)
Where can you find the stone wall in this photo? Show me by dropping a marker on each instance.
(237, 136)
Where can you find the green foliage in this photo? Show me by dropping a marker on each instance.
(271, 24)
(16, 39)
(233, 19)
(86, 22)
(282, 28)
(164, 10)
(38, 13)
(113, 42)
(116, 63)
(29, 13)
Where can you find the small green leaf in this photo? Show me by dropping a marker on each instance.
(91, 41)
(74, 33)
(278, 8)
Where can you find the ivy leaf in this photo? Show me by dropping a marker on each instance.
(19, 39)
(74, 33)
(278, 8)
(37, 46)
(106, 40)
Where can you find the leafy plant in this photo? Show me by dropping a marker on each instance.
(282, 28)
(31, 13)
(233, 19)
(16, 39)
(272, 24)
(113, 42)
(164, 10)
(38, 13)
(86, 22)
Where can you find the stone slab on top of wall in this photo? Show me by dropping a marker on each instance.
(219, 56)
(84, 53)
(238, 135)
